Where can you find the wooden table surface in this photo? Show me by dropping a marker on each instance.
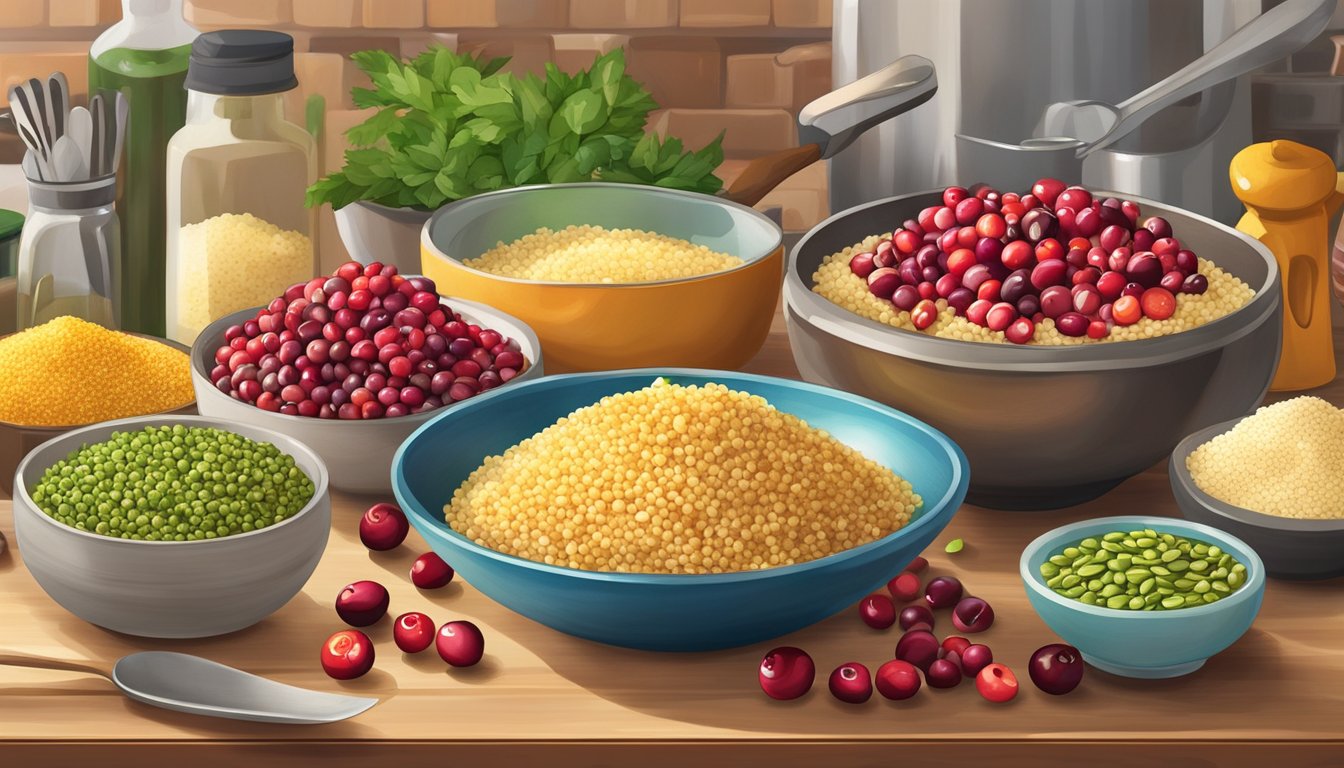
(1278, 693)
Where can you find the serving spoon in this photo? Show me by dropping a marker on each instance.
(184, 683)
(1069, 131)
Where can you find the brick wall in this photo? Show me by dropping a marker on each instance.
(742, 66)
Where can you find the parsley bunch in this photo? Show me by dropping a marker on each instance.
(451, 125)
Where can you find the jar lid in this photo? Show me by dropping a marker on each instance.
(1282, 175)
(11, 223)
(242, 62)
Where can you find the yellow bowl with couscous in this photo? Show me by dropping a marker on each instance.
(615, 298)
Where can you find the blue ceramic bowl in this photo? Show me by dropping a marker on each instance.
(1144, 644)
(662, 611)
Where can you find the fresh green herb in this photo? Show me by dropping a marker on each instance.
(452, 125)
(954, 546)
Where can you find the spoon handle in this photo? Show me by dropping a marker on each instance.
(44, 662)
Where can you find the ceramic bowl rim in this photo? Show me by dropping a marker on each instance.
(217, 328)
(1035, 553)
(463, 207)
(879, 337)
(45, 428)
(285, 443)
(1180, 475)
(957, 487)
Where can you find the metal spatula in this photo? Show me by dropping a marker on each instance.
(194, 685)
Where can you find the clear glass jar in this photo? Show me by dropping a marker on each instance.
(68, 253)
(238, 232)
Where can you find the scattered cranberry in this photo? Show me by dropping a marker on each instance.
(996, 683)
(851, 683)
(972, 615)
(362, 603)
(347, 654)
(919, 647)
(942, 592)
(383, 527)
(917, 565)
(1056, 668)
(943, 673)
(976, 657)
(786, 673)
(897, 680)
(913, 616)
(877, 611)
(904, 587)
(429, 571)
(413, 632)
(460, 643)
(954, 643)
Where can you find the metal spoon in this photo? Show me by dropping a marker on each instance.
(1070, 130)
(194, 685)
(80, 130)
(58, 101)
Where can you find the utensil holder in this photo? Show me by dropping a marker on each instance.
(69, 253)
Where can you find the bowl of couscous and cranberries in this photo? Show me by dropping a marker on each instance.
(677, 509)
(615, 275)
(1054, 405)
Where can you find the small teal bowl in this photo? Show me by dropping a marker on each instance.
(668, 612)
(1144, 644)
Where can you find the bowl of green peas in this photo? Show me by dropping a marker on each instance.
(171, 526)
(1143, 596)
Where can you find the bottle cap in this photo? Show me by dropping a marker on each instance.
(241, 62)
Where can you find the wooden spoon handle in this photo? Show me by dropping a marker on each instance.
(44, 662)
(1337, 66)
(765, 173)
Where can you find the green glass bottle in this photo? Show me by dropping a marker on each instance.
(145, 57)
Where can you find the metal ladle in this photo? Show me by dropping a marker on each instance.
(1071, 130)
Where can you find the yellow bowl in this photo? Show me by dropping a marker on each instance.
(719, 320)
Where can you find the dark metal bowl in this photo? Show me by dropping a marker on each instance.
(1044, 427)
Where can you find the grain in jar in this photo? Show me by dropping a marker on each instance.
(679, 479)
(592, 254)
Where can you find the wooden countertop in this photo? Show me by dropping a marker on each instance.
(1277, 694)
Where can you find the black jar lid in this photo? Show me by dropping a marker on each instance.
(241, 62)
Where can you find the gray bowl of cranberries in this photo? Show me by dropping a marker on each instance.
(406, 373)
(1045, 426)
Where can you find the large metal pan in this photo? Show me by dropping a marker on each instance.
(1044, 427)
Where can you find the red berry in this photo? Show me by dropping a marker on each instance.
(851, 683)
(429, 571)
(996, 683)
(917, 565)
(905, 587)
(347, 654)
(1017, 254)
(786, 673)
(413, 632)
(877, 611)
(1158, 303)
(897, 680)
(460, 643)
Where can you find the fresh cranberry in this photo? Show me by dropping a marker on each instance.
(347, 654)
(972, 614)
(413, 632)
(1056, 668)
(460, 643)
(943, 673)
(786, 673)
(362, 603)
(942, 592)
(897, 680)
(974, 658)
(919, 647)
(904, 587)
(916, 616)
(877, 611)
(429, 571)
(996, 683)
(851, 683)
(383, 527)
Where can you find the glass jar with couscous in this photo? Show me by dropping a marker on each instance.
(238, 230)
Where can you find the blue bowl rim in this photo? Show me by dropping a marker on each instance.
(463, 208)
(1184, 483)
(943, 506)
(1031, 558)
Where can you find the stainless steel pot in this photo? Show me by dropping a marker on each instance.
(1044, 427)
(1001, 63)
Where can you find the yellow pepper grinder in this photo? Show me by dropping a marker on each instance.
(1291, 193)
